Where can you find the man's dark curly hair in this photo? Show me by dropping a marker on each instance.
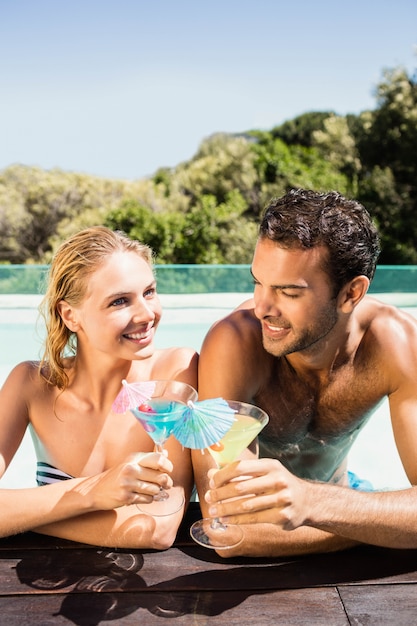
(303, 218)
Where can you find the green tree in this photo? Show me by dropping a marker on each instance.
(206, 210)
(337, 145)
(387, 136)
(219, 232)
(210, 232)
(223, 163)
(163, 231)
(386, 139)
(282, 167)
(300, 130)
(39, 208)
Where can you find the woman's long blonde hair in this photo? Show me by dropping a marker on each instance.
(75, 260)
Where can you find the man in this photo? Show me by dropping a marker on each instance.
(318, 355)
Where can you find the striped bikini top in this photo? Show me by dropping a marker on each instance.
(47, 474)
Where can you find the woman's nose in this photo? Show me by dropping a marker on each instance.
(143, 312)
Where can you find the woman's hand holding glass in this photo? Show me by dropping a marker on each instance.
(159, 415)
(136, 480)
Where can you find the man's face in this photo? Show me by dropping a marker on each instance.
(293, 297)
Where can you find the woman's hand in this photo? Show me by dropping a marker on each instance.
(136, 480)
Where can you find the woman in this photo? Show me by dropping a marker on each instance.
(102, 310)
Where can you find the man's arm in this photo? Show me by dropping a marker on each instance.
(310, 516)
(398, 337)
(307, 516)
(230, 366)
(223, 371)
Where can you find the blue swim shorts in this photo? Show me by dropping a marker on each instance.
(360, 484)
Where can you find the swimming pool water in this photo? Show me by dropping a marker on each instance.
(185, 321)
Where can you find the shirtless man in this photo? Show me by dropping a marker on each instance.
(318, 355)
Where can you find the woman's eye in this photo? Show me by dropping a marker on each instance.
(118, 302)
(150, 292)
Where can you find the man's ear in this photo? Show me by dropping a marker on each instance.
(352, 293)
(68, 315)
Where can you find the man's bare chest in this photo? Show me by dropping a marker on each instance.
(325, 409)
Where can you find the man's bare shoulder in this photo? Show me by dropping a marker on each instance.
(175, 362)
(376, 315)
(181, 354)
(246, 304)
(240, 323)
(233, 362)
(391, 334)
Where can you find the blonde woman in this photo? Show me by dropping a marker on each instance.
(102, 310)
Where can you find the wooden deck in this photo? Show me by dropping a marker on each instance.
(47, 581)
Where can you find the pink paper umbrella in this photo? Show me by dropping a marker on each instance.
(133, 395)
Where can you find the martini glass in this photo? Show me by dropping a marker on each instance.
(158, 415)
(249, 421)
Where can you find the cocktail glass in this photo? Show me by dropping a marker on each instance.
(249, 421)
(158, 415)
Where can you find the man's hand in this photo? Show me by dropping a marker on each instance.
(258, 491)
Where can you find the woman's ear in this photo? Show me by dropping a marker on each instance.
(352, 293)
(68, 315)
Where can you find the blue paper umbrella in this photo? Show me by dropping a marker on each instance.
(132, 395)
(204, 423)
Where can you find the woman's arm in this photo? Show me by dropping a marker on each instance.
(126, 526)
(93, 509)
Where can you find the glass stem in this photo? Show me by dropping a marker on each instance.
(216, 524)
(163, 494)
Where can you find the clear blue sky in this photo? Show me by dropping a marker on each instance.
(119, 88)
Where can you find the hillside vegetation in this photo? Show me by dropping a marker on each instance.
(206, 210)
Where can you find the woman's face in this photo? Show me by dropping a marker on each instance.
(121, 309)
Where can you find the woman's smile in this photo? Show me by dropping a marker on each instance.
(143, 336)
